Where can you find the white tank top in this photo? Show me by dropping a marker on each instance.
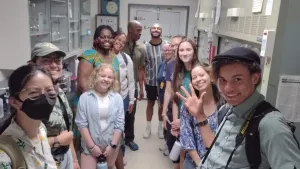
(103, 103)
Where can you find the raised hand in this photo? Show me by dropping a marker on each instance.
(193, 104)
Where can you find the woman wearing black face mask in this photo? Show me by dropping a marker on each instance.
(32, 95)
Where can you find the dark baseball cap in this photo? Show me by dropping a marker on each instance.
(238, 53)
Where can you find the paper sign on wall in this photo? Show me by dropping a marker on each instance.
(288, 97)
(269, 7)
(257, 6)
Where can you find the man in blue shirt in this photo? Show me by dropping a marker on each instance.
(238, 73)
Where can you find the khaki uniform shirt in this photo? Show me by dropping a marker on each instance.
(37, 154)
(138, 57)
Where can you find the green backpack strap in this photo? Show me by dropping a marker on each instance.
(10, 147)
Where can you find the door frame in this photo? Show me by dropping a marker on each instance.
(172, 6)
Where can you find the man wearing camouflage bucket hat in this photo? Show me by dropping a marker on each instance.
(252, 133)
(59, 126)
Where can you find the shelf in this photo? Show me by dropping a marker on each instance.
(58, 16)
(59, 1)
(58, 39)
(75, 31)
(75, 52)
(84, 19)
(39, 33)
(74, 21)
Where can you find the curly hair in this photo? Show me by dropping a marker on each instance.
(180, 68)
(95, 75)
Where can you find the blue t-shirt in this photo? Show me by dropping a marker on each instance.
(169, 77)
(170, 70)
(161, 81)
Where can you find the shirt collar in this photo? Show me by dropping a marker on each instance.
(242, 110)
(16, 131)
(93, 92)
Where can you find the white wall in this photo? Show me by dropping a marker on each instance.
(14, 35)
(191, 3)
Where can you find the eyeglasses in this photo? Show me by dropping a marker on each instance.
(34, 93)
(48, 61)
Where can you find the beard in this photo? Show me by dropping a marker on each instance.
(155, 36)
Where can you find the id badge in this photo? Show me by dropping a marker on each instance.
(162, 84)
(57, 164)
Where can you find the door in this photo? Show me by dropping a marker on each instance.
(173, 20)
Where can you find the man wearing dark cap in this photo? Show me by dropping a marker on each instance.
(272, 144)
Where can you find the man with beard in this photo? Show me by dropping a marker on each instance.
(137, 53)
(154, 51)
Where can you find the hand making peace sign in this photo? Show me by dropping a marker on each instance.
(193, 104)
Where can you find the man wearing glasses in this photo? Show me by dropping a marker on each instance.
(59, 125)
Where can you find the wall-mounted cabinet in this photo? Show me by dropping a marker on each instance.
(85, 23)
(65, 23)
(59, 24)
(39, 21)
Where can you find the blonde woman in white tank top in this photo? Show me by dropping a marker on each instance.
(100, 118)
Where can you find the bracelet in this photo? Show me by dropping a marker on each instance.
(202, 123)
(75, 161)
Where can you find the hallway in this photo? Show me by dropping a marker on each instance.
(148, 156)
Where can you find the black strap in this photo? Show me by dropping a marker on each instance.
(65, 114)
(241, 135)
(216, 137)
(251, 133)
(124, 58)
(252, 146)
(222, 113)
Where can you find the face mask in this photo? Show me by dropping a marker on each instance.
(39, 109)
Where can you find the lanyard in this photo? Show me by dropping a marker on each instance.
(131, 49)
(164, 70)
(239, 138)
(241, 135)
(215, 139)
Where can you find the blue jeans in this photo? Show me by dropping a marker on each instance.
(126, 104)
(188, 163)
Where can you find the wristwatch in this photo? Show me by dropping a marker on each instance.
(202, 123)
(113, 146)
(56, 142)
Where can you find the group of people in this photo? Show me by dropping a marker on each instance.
(209, 109)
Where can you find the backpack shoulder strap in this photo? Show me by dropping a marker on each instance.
(252, 137)
(124, 58)
(10, 147)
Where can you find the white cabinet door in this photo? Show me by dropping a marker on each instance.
(172, 19)
(14, 33)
